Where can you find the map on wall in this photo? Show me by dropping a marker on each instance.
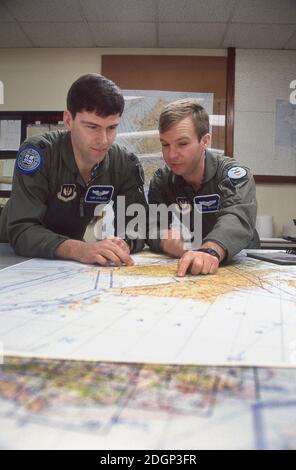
(138, 128)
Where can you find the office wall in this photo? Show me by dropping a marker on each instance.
(262, 77)
(278, 200)
(39, 79)
(263, 126)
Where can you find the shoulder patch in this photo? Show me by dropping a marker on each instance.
(236, 173)
(29, 159)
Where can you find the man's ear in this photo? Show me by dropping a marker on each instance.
(67, 119)
(205, 140)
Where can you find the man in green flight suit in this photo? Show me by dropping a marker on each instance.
(221, 189)
(62, 176)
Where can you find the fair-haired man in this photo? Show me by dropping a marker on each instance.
(219, 187)
(60, 178)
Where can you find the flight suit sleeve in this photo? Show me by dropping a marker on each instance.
(236, 220)
(27, 207)
(132, 209)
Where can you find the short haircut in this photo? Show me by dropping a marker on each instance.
(95, 93)
(177, 110)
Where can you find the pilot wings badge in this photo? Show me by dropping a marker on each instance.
(207, 203)
(99, 194)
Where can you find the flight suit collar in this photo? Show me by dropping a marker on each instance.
(100, 168)
(68, 154)
(182, 186)
(211, 166)
(69, 160)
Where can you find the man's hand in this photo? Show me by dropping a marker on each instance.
(172, 243)
(120, 242)
(102, 252)
(198, 262)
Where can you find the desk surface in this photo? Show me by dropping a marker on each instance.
(8, 257)
(276, 244)
(108, 405)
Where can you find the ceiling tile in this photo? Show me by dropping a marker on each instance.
(195, 10)
(149, 23)
(124, 34)
(191, 35)
(258, 36)
(58, 34)
(11, 35)
(119, 10)
(265, 11)
(44, 10)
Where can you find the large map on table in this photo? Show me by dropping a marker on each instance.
(55, 404)
(245, 314)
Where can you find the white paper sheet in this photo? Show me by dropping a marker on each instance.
(10, 134)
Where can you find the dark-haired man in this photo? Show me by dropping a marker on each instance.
(60, 177)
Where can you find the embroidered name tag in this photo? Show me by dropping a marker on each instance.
(67, 192)
(209, 203)
(99, 194)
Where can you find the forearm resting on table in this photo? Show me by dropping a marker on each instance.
(70, 249)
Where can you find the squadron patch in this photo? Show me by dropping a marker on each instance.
(184, 204)
(28, 160)
(236, 173)
(209, 203)
(99, 194)
(67, 192)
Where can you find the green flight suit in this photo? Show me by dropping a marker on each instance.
(228, 197)
(52, 203)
